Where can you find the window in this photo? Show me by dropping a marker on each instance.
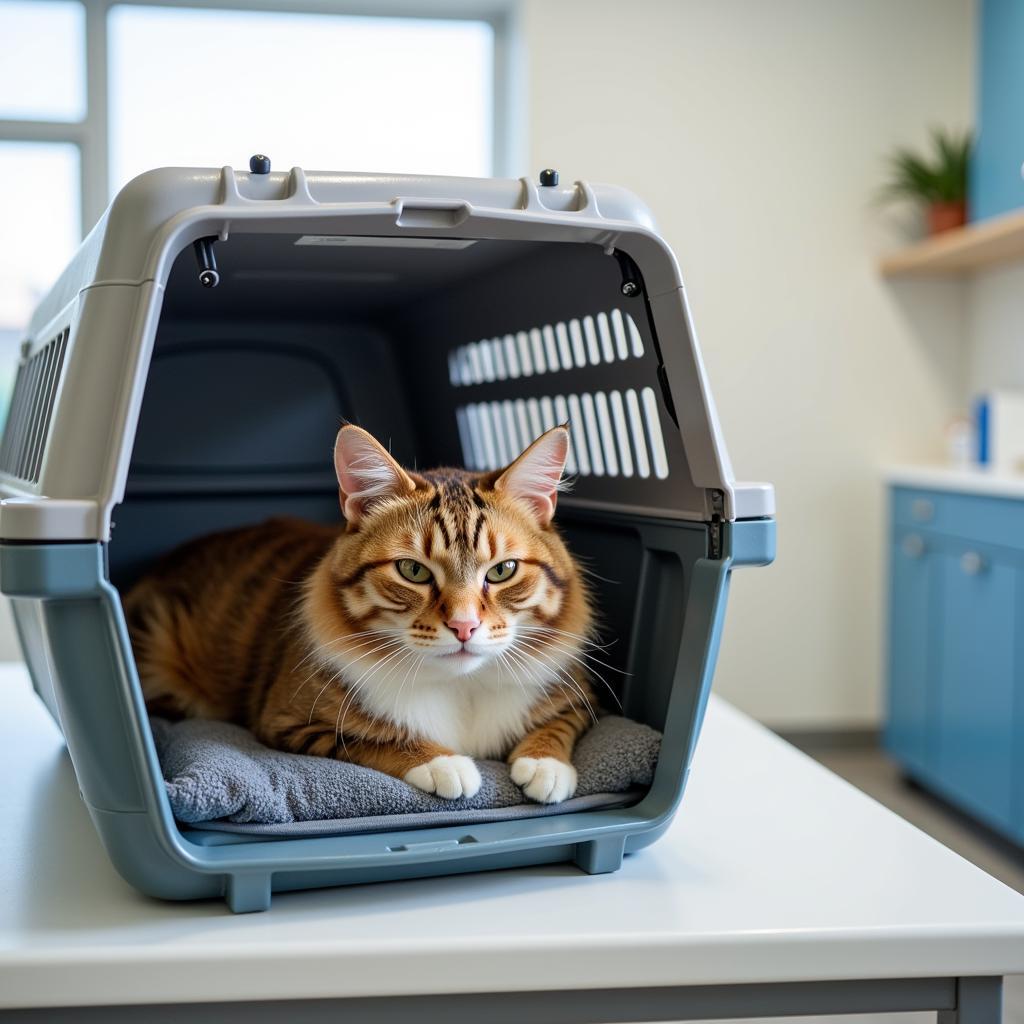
(39, 211)
(42, 70)
(318, 91)
(42, 93)
(92, 92)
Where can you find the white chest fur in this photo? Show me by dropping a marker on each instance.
(482, 714)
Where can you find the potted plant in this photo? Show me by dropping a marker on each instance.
(937, 181)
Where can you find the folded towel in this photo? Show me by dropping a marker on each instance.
(220, 777)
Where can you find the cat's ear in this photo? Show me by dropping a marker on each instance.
(366, 472)
(535, 475)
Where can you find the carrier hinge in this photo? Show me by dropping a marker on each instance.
(632, 285)
(209, 276)
(715, 526)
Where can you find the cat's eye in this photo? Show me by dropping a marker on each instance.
(414, 572)
(502, 571)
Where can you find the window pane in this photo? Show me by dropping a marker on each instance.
(323, 92)
(40, 218)
(42, 60)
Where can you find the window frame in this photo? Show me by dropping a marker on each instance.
(91, 135)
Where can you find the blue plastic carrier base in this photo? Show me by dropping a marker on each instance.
(457, 317)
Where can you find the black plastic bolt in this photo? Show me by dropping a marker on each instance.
(259, 164)
(208, 275)
(548, 177)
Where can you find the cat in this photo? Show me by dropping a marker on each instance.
(444, 620)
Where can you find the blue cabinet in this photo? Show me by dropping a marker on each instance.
(975, 682)
(956, 656)
(909, 703)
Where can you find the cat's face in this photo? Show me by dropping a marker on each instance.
(450, 575)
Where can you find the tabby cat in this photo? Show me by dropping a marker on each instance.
(445, 620)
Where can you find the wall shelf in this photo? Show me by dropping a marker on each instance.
(963, 250)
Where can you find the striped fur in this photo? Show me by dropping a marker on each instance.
(311, 636)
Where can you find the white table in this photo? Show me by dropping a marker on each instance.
(779, 889)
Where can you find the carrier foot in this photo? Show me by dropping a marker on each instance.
(600, 856)
(247, 893)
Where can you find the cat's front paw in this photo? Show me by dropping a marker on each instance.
(544, 779)
(449, 776)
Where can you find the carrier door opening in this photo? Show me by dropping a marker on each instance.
(458, 354)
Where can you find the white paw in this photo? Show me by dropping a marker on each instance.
(449, 776)
(544, 779)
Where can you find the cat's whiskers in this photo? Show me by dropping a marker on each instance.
(579, 657)
(342, 669)
(381, 646)
(577, 638)
(317, 650)
(585, 570)
(515, 676)
(353, 690)
(315, 671)
(338, 639)
(354, 687)
(562, 674)
(526, 658)
(405, 679)
(541, 683)
(518, 659)
(574, 650)
(410, 655)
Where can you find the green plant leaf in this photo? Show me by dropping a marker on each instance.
(937, 178)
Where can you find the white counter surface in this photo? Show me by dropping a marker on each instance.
(774, 870)
(948, 478)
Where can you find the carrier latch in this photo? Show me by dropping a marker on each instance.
(715, 527)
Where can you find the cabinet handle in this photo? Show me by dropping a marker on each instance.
(913, 545)
(922, 510)
(972, 563)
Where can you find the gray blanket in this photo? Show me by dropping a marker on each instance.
(219, 776)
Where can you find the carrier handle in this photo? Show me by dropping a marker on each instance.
(416, 212)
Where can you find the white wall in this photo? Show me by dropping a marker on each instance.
(757, 132)
(995, 328)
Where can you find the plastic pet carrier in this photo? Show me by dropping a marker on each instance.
(188, 372)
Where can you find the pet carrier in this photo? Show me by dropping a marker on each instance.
(188, 372)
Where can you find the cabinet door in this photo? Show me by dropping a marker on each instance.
(910, 715)
(975, 700)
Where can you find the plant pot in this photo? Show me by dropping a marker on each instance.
(944, 216)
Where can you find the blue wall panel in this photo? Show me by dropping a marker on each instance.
(996, 185)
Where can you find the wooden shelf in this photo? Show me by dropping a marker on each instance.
(961, 250)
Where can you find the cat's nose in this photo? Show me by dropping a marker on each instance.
(463, 628)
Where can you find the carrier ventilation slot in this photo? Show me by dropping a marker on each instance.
(604, 338)
(28, 417)
(617, 433)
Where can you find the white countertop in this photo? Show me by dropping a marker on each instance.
(774, 870)
(971, 480)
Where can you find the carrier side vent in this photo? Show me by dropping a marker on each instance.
(28, 417)
(589, 341)
(614, 433)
